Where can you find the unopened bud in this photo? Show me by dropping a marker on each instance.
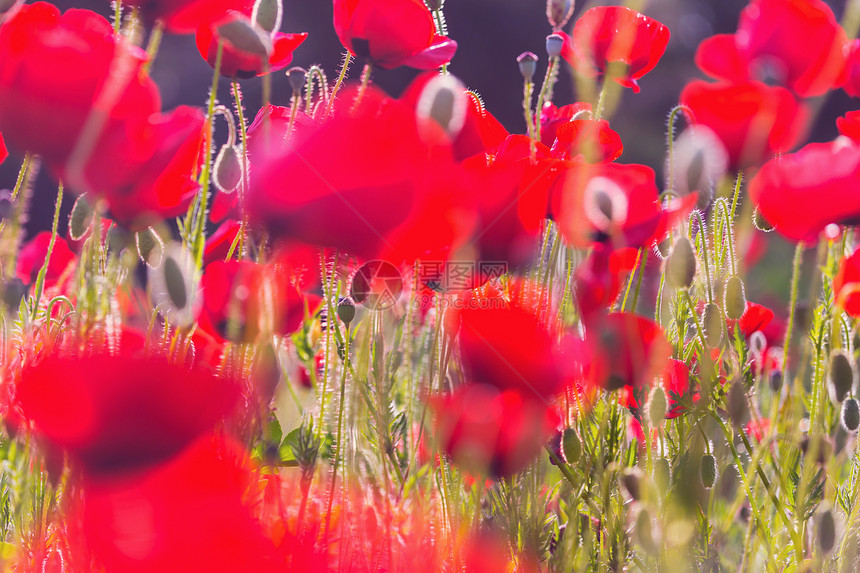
(571, 446)
(631, 479)
(664, 248)
(150, 247)
(850, 415)
(346, 310)
(558, 12)
(681, 264)
(736, 403)
(735, 299)
(528, 65)
(434, 5)
(699, 160)
(267, 14)
(774, 380)
(243, 36)
(175, 284)
(554, 45)
(81, 218)
(297, 76)
(228, 169)
(444, 100)
(713, 324)
(761, 223)
(827, 532)
(658, 406)
(708, 471)
(842, 376)
(6, 204)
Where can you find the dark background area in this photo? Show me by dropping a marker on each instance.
(490, 33)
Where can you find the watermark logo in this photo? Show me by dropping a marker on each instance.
(377, 285)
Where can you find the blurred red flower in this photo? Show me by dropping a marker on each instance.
(753, 120)
(846, 284)
(800, 198)
(607, 34)
(185, 16)
(4, 153)
(766, 48)
(236, 63)
(33, 255)
(392, 33)
(592, 141)
(849, 125)
(597, 281)
(675, 381)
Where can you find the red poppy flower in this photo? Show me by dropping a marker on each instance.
(508, 347)
(553, 117)
(800, 198)
(849, 125)
(33, 254)
(592, 141)
(846, 284)
(492, 432)
(607, 34)
(598, 280)
(121, 411)
(185, 16)
(766, 47)
(624, 350)
(4, 153)
(675, 381)
(392, 33)
(236, 63)
(219, 243)
(753, 120)
(756, 317)
(186, 514)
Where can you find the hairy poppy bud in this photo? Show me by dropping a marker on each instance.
(850, 415)
(662, 474)
(228, 169)
(571, 446)
(174, 285)
(664, 248)
(297, 76)
(841, 377)
(528, 65)
(761, 223)
(827, 532)
(554, 44)
(444, 100)
(681, 264)
(267, 14)
(150, 247)
(658, 406)
(81, 218)
(736, 403)
(5, 203)
(245, 37)
(558, 12)
(708, 471)
(774, 380)
(631, 479)
(713, 324)
(735, 299)
(699, 160)
(346, 309)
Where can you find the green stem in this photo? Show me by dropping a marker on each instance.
(153, 45)
(795, 280)
(365, 81)
(246, 181)
(344, 67)
(40, 279)
(338, 457)
(117, 16)
(546, 91)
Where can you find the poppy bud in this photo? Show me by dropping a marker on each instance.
(571, 446)
(662, 474)
(761, 223)
(713, 325)
(631, 479)
(658, 406)
(557, 456)
(841, 377)
(664, 248)
(267, 14)
(736, 403)
(245, 37)
(735, 299)
(81, 218)
(554, 44)
(681, 264)
(827, 533)
(558, 12)
(528, 65)
(708, 471)
(297, 76)
(699, 160)
(174, 285)
(150, 247)
(346, 310)
(444, 100)
(13, 292)
(644, 531)
(850, 415)
(5, 203)
(774, 380)
(267, 372)
(228, 169)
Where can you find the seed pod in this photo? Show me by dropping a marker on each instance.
(267, 14)
(774, 380)
(435, 5)
(662, 474)
(228, 169)
(708, 471)
(571, 446)
(681, 264)
(850, 415)
(346, 309)
(761, 223)
(297, 77)
(658, 406)
(713, 324)
(842, 376)
(6, 204)
(644, 531)
(735, 299)
(631, 480)
(558, 12)
(827, 533)
(554, 45)
(528, 65)
(736, 403)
